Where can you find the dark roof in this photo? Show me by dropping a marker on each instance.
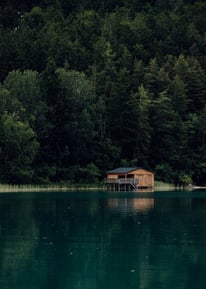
(123, 170)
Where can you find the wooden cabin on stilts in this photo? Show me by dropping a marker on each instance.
(129, 179)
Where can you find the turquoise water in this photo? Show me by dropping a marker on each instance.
(96, 240)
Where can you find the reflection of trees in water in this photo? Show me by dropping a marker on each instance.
(19, 234)
(103, 243)
(153, 238)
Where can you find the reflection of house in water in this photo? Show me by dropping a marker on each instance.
(129, 179)
(133, 204)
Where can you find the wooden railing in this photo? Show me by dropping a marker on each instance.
(130, 181)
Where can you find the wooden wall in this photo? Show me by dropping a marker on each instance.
(145, 178)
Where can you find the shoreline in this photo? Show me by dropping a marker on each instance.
(30, 188)
(7, 188)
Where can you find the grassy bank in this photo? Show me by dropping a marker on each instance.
(159, 186)
(51, 187)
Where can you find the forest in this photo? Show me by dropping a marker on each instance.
(87, 86)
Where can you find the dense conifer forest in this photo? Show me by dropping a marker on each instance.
(87, 86)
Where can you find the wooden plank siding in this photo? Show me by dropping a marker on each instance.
(129, 179)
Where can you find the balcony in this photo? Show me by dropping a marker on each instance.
(120, 184)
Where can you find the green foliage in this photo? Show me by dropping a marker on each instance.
(138, 130)
(25, 88)
(89, 174)
(163, 171)
(183, 179)
(18, 146)
(95, 84)
(72, 120)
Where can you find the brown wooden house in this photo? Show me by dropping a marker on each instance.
(129, 179)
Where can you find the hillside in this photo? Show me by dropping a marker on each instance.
(94, 85)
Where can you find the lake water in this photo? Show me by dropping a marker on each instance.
(97, 240)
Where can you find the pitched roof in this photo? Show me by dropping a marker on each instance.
(123, 170)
